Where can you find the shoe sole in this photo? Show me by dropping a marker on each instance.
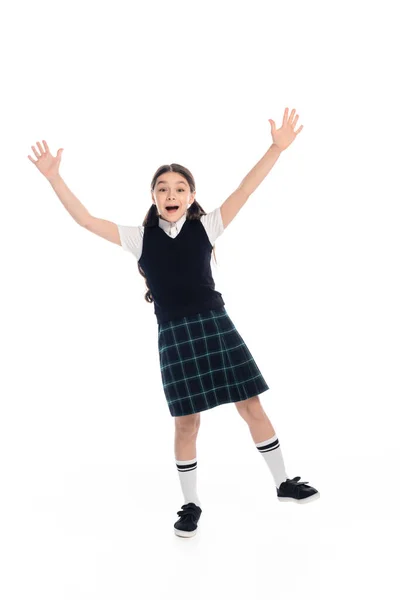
(301, 500)
(185, 534)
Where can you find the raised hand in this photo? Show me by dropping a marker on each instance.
(47, 164)
(285, 135)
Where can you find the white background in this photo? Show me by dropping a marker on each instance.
(308, 271)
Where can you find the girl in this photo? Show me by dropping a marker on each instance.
(204, 361)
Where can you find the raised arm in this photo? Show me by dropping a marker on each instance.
(48, 165)
(281, 139)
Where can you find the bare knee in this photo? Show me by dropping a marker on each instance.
(250, 409)
(187, 425)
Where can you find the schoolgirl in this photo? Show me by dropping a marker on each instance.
(204, 361)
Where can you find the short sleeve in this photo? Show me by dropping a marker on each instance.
(213, 225)
(131, 237)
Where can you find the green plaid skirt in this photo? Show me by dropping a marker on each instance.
(205, 362)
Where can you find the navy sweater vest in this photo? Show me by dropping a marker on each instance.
(178, 271)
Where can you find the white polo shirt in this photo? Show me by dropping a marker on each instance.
(132, 235)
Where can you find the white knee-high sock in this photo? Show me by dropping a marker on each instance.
(271, 451)
(187, 470)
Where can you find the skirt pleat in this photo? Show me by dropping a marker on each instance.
(205, 362)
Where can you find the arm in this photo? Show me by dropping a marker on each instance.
(282, 138)
(250, 183)
(259, 172)
(75, 208)
(106, 229)
(48, 165)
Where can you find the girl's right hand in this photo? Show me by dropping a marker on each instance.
(46, 163)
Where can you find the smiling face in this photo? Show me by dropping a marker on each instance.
(172, 189)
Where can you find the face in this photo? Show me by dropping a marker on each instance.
(172, 189)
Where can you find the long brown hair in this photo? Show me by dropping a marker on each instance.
(195, 211)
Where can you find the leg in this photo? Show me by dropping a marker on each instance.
(264, 436)
(253, 413)
(268, 445)
(186, 430)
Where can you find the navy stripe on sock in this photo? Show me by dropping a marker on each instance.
(189, 467)
(269, 447)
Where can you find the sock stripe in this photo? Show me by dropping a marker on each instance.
(268, 447)
(188, 467)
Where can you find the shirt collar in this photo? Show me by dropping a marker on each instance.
(168, 226)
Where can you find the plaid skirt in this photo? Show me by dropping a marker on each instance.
(205, 362)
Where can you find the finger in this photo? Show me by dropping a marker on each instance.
(291, 116)
(299, 129)
(46, 146)
(285, 116)
(31, 159)
(40, 148)
(35, 152)
(295, 121)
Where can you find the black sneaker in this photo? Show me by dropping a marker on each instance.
(296, 491)
(186, 525)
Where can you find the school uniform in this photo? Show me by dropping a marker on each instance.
(204, 361)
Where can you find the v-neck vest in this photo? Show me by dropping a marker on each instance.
(178, 271)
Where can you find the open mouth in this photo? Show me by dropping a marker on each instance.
(172, 209)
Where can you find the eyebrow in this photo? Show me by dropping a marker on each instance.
(184, 183)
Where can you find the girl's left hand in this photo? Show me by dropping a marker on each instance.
(284, 136)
